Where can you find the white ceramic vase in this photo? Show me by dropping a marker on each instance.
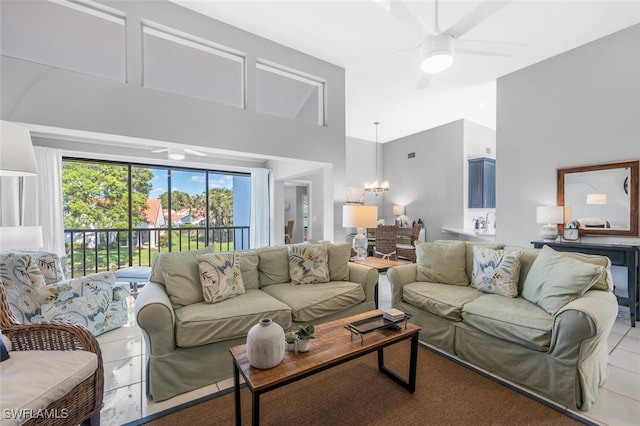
(265, 344)
(303, 344)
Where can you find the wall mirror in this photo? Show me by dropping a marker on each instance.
(602, 198)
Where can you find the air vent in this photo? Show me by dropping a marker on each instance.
(411, 155)
(487, 150)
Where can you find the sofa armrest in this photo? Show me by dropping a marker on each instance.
(399, 276)
(156, 318)
(583, 324)
(366, 276)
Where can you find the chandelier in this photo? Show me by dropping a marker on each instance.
(375, 187)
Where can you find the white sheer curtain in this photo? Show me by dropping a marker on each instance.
(259, 208)
(43, 199)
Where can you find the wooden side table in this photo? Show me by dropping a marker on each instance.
(382, 265)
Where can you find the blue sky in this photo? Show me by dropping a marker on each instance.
(186, 181)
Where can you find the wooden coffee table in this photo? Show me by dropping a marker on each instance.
(333, 345)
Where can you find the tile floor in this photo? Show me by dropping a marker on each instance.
(125, 399)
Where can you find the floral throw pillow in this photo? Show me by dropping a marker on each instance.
(21, 277)
(496, 271)
(220, 276)
(308, 264)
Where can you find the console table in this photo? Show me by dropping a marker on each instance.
(620, 255)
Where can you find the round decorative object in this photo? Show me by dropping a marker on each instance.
(265, 344)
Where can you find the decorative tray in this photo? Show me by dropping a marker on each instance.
(377, 322)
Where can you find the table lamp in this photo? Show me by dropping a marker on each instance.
(397, 212)
(550, 216)
(360, 217)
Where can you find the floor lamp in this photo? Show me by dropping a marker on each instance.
(17, 159)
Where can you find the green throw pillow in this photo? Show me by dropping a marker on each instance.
(496, 271)
(308, 264)
(220, 276)
(555, 280)
(442, 263)
(273, 266)
(182, 276)
(339, 255)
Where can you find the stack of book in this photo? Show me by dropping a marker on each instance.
(393, 314)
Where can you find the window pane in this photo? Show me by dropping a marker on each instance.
(66, 35)
(191, 67)
(289, 95)
(188, 210)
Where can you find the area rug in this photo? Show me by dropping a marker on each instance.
(356, 393)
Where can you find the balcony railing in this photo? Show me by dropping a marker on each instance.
(96, 250)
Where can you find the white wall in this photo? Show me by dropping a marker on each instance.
(579, 108)
(431, 185)
(38, 94)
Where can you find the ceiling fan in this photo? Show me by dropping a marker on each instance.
(179, 153)
(438, 46)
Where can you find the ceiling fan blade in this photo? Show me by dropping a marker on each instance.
(423, 81)
(494, 48)
(160, 150)
(401, 12)
(194, 152)
(476, 16)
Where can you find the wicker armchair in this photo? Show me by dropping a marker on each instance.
(408, 251)
(82, 403)
(386, 240)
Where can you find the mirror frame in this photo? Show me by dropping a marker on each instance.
(633, 186)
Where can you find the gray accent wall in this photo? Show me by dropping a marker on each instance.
(39, 94)
(578, 108)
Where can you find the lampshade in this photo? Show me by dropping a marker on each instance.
(596, 198)
(550, 214)
(359, 216)
(21, 237)
(568, 214)
(398, 210)
(436, 53)
(16, 151)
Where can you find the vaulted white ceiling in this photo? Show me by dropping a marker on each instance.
(380, 54)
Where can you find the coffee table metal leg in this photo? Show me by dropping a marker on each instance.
(409, 384)
(236, 394)
(255, 409)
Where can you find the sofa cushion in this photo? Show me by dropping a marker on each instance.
(339, 255)
(555, 280)
(220, 276)
(443, 300)
(512, 319)
(310, 302)
(181, 275)
(249, 269)
(35, 384)
(201, 323)
(442, 262)
(22, 277)
(605, 281)
(496, 271)
(94, 301)
(273, 266)
(308, 264)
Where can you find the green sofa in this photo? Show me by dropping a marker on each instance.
(188, 340)
(562, 357)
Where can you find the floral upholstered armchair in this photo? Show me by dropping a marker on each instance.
(37, 291)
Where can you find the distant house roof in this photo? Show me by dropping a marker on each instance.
(152, 213)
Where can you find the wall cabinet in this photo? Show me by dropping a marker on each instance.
(482, 183)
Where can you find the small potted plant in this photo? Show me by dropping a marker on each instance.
(304, 333)
(290, 339)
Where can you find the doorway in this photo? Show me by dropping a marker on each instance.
(297, 209)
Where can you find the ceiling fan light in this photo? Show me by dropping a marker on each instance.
(436, 53)
(437, 62)
(176, 154)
